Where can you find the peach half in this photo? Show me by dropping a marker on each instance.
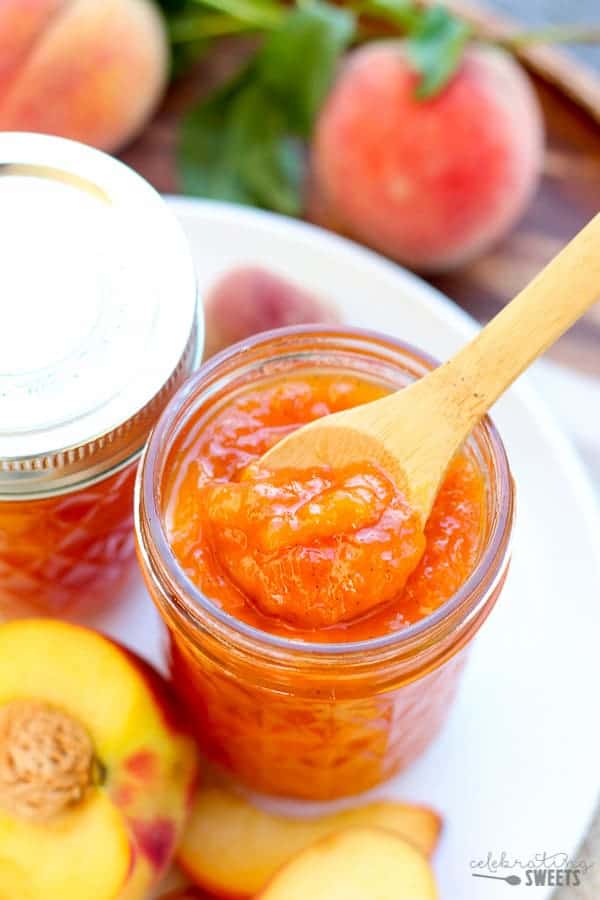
(356, 864)
(96, 775)
(232, 848)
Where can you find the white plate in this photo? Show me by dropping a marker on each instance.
(517, 768)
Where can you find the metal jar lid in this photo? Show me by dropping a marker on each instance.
(98, 313)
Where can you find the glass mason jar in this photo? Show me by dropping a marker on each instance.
(312, 720)
(99, 328)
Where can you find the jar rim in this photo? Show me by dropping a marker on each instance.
(482, 581)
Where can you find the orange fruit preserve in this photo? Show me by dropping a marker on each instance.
(321, 554)
(322, 558)
(68, 554)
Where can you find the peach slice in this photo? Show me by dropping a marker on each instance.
(96, 776)
(356, 864)
(231, 848)
(249, 299)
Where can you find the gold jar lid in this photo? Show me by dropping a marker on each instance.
(99, 321)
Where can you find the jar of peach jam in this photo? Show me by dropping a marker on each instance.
(324, 712)
(99, 328)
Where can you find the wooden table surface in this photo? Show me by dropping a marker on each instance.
(568, 196)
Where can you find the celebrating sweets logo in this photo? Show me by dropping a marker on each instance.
(543, 869)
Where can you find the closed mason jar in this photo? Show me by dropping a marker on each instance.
(99, 328)
(297, 719)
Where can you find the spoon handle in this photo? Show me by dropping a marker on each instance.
(568, 286)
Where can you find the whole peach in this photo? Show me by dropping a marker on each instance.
(91, 70)
(22, 22)
(431, 183)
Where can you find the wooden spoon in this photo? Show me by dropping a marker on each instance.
(413, 433)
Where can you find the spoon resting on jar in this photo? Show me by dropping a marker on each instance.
(328, 525)
(413, 434)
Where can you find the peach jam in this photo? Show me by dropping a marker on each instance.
(320, 554)
(316, 633)
(99, 329)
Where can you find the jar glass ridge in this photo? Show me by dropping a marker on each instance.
(70, 549)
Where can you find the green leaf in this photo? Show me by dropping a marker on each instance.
(236, 147)
(259, 13)
(210, 146)
(299, 59)
(191, 20)
(243, 143)
(405, 14)
(201, 26)
(435, 48)
(271, 163)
